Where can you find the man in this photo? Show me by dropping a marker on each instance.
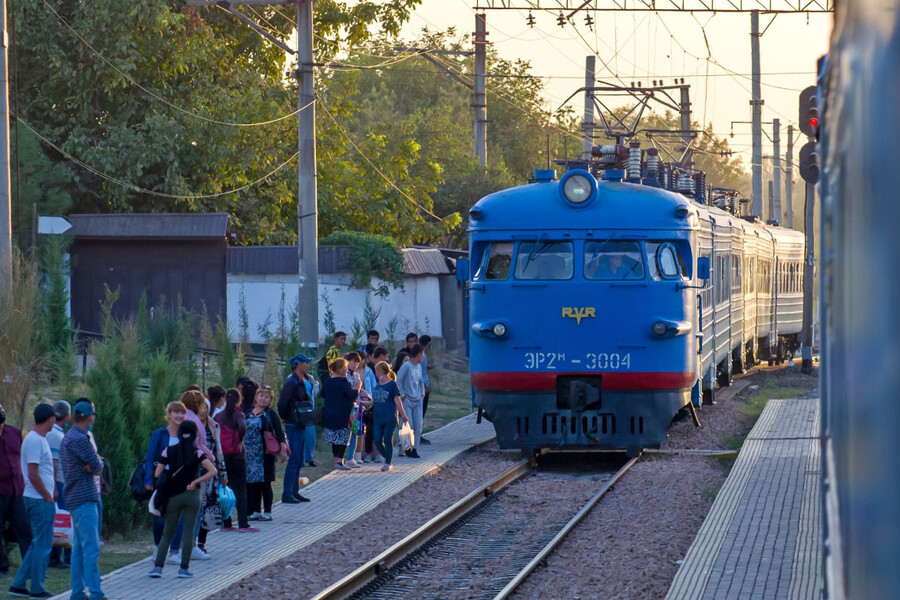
(12, 486)
(412, 391)
(295, 407)
(80, 462)
(411, 340)
(340, 339)
(425, 342)
(40, 495)
(372, 337)
(312, 390)
(61, 411)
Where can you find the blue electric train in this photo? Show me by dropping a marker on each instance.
(600, 303)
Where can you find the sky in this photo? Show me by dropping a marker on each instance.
(646, 46)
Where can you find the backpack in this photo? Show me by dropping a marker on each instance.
(136, 484)
(322, 368)
(106, 478)
(230, 440)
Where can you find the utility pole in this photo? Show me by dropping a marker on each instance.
(771, 201)
(788, 180)
(776, 167)
(479, 99)
(808, 274)
(685, 104)
(587, 126)
(5, 193)
(756, 116)
(307, 204)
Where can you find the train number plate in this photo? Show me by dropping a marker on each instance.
(592, 361)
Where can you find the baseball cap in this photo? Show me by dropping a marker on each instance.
(299, 358)
(42, 412)
(84, 408)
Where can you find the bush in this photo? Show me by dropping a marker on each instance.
(371, 255)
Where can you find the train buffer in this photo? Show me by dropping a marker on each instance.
(761, 539)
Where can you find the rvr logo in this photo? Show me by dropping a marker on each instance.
(578, 313)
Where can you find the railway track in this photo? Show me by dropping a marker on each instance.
(484, 546)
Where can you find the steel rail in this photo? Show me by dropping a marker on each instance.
(531, 566)
(390, 557)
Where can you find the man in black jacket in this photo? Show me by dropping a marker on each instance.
(295, 408)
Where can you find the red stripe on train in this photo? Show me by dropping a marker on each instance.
(515, 381)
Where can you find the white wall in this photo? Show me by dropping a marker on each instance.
(416, 308)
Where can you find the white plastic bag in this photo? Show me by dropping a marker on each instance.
(151, 507)
(63, 534)
(406, 436)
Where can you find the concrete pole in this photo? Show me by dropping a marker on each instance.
(587, 126)
(788, 180)
(756, 117)
(808, 273)
(5, 193)
(686, 124)
(776, 168)
(479, 100)
(307, 209)
(772, 212)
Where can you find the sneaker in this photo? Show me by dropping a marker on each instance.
(413, 453)
(301, 498)
(155, 572)
(377, 459)
(184, 574)
(353, 464)
(291, 500)
(312, 463)
(200, 554)
(266, 517)
(387, 467)
(254, 517)
(367, 459)
(341, 467)
(14, 591)
(44, 594)
(424, 441)
(229, 529)
(174, 559)
(248, 529)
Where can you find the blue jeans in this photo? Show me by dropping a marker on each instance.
(296, 437)
(34, 565)
(384, 431)
(86, 551)
(309, 445)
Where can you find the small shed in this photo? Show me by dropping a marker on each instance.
(158, 254)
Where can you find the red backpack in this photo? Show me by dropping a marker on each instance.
(230, 440)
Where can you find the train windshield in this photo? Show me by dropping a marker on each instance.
(545, 260)
(498, 262)
(665, 261)
(613, 260)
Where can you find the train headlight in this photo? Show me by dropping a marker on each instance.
(499, 329)
(660, 328)
(577, 189)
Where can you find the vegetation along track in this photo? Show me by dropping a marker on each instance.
(486, 544)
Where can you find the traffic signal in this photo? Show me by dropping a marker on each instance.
(809, 112)
(809, 162)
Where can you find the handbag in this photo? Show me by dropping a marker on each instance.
(271, 443)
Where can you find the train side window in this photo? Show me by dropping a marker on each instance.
(545, 261)
(612, 260)
(499, 261)
(664, 261)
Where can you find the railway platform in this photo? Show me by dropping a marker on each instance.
(761, 537)
(336, 499)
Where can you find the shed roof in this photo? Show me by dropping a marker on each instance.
(261, 260)
(184, 226)
(424, 261)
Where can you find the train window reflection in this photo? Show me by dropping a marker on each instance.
(613, 260)
(664, 261)
(544, 260)
(499, 261)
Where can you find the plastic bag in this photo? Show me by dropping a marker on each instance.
(63, 534)
(226, 501)
(406, 436)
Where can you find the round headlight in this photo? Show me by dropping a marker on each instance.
(660, 328)
(499, 329)
(577, 189)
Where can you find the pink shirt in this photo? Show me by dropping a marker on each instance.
(201, 435)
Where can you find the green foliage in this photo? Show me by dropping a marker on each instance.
(167, 380)
(328, 321)
(170, 329)
(227, 362)
(371, 256)
(55, 299)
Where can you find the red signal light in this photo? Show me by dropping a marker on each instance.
(813, 122)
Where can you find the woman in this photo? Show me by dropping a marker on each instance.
(209, 491)
(232, 423)
(193, 400)
(386, 406)
(181, 493)
(261, 466)
(340, 399)
(248, 391)
(161, 439)
(357, 426)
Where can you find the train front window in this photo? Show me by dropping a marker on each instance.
(665, 261)
(613, 260)
(499, 261)
(544, 261)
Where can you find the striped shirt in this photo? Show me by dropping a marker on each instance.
(75, 452)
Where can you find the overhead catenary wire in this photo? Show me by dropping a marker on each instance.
(160, 98)
(140, 190)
